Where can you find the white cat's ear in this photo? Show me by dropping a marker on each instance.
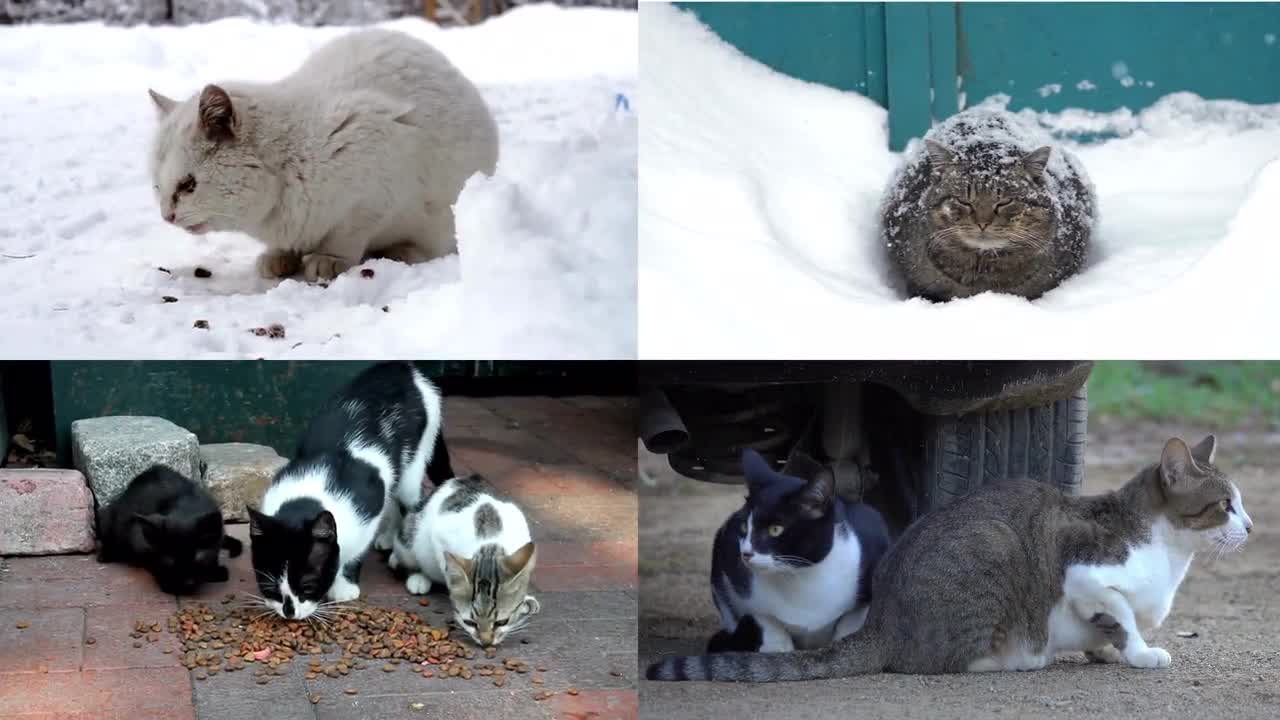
(1176, 463)
(163, 104)
(257, 523)
(1036, 160)
(457, 571)
(940, 155)
(818, 494)
(218, 118)
(1205, 450)
(325, 527)
(520, 561)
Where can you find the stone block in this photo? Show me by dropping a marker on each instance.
(45, 512)
(238, 474)
(112, 451)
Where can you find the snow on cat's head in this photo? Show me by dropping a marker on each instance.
(1198, 499)
(205, 169)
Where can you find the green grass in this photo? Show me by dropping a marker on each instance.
(1222, 393)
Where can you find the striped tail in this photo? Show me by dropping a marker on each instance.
(858, 654)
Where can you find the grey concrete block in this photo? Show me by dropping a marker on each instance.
(112, 451)
(238, 474)
(122, 12)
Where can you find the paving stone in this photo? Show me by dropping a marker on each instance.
(577, 482)
(48, 641)
(142, 694)
(112, 649)
(238, 695)
(45, 512)
(573, 606)
(504, 704)
(598, 705)
(73, 581)
(238, 474)
(585, 577)
(112, 451)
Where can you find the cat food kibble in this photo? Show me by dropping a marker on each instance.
(366, 272)
(202, 325)
(169, 299)
(23, 624)
(203, 273)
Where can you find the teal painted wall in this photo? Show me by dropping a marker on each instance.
(907, 56)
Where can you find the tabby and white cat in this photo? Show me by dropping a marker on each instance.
(477, 543)
(792, 568)
(987, 205)
(1006, 577)
(362, 456)
(362, 151)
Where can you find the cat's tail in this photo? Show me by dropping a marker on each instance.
(858, 654)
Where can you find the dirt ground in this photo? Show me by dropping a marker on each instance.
(1231, 669)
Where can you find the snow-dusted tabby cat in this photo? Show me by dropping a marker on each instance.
(360, 152)
(477, 543)
(368, 447)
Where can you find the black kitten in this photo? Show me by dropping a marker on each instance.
(169, 525)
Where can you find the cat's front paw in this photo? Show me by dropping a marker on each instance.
(343, 590)
(417, 584)
(275, 264)
(218, 574)
(1152, 657)
(317, 267)
(1106, 654)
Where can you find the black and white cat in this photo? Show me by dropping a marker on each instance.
(792, 568)
(171, 526)
(362, 457)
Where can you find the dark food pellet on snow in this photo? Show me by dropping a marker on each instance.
(386, 308)
(203, 273)
(164, 270)
(202, 324)
(366, 272)
(169, 298)
(275, 331)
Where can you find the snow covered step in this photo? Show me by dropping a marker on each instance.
(111, 451)
(238, 474)
(45, 512)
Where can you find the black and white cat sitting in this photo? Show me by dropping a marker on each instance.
(792, 568)
(171, 526)
(363, 456)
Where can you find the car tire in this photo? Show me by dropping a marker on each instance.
(964, 452)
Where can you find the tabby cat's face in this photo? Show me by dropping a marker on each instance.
(982, 203)
(1199, 499)
(490, 592)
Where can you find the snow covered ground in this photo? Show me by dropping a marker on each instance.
(759, 238)
(546, 267)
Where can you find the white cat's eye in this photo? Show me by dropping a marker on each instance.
(1225, 505)
(775, 530)
(744, 528)
(187, 185)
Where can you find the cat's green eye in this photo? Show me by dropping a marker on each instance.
(775, 530)
(500, 623)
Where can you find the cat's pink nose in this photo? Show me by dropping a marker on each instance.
(170, 216)
(746, 556)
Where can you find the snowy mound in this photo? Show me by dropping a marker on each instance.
(86, 262)
(759, 198)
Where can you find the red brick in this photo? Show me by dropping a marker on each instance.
(597, 705)
(45, 512)
(142, 694)
(618, 552)
(49, 642)
(112, 647)
(498, 451)
(74, 581)
(570, 481)
(555, 578)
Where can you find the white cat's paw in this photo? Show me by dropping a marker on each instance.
(342, 590)
(273, 264)
(317, 267)
(393, 561)
(1152, 657)
(417, 584)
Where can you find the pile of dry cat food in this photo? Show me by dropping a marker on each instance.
(236, 638)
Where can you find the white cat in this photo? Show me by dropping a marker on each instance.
(362, 151)
(477, 543)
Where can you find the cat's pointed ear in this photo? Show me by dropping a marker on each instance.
(218, 118)
(324, 528)
(818, 494)
(1176, 463)
(940, 155)
(457, 572)
(756, 469)
(258, 523)
(1205, 450)
(164, 105)
(1035, 161)
(520, 561)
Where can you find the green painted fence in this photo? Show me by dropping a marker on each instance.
(919, 59)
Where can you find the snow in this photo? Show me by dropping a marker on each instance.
(547, 245)
(759, 236)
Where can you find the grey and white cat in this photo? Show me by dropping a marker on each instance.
(792, 567)
(986, 206)
(362, 151)
(1010, 575)
(477, 543)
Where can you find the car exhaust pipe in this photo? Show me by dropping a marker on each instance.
(661, 429)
